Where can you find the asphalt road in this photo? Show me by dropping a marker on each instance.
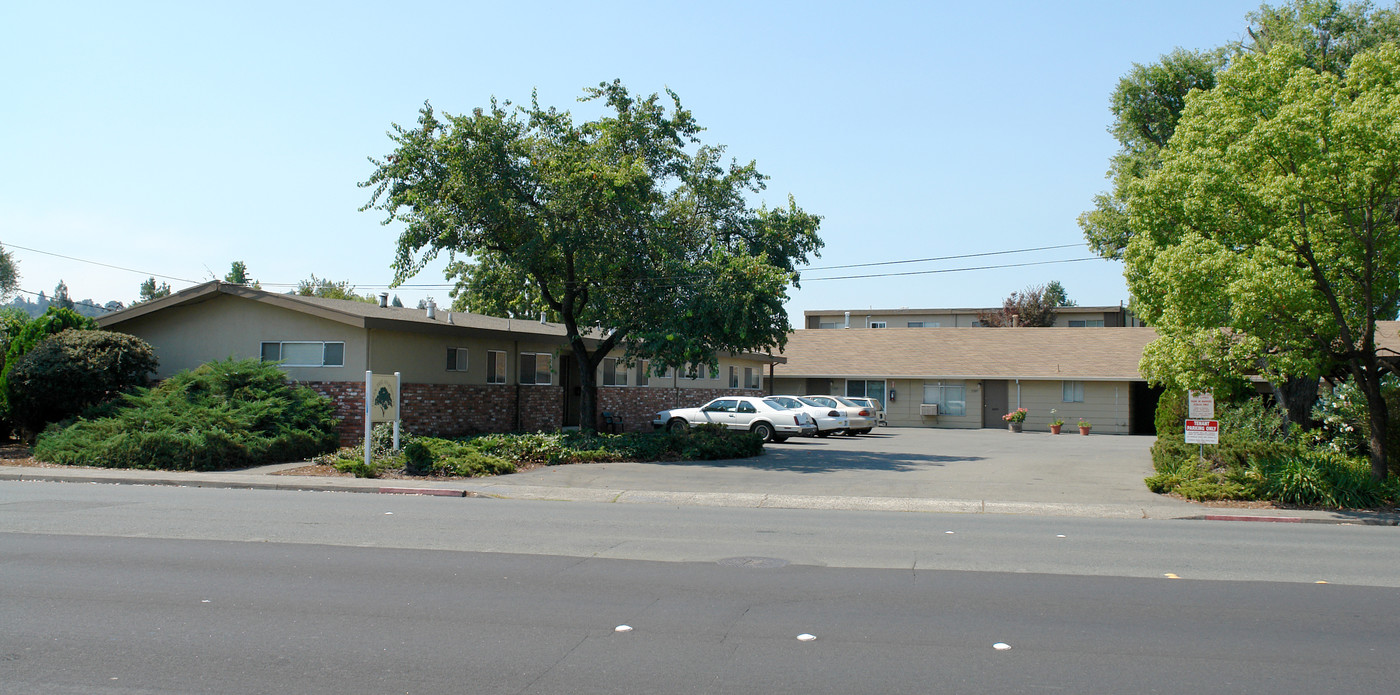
(135, 590)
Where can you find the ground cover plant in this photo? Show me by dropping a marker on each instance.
(496, 454)
(227, 414)
(1261, 459)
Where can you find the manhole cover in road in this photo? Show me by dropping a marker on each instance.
(758, 563)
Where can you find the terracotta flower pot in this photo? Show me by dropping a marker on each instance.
(1084, 431)
(1055, 429)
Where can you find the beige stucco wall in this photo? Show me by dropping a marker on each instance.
(421, 358)
(185, 337)
(1105, 405)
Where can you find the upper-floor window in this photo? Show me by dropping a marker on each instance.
(495, 366)
(1087, 323)
(877, 324)
(456, 359)
(536, 368)
(828, 324)
(304, 353)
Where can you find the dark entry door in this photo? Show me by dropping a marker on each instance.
(573, 393)
(993, 403)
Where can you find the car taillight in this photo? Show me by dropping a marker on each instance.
(865, 413)
(833, 414)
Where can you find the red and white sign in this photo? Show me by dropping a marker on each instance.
(1200, 405)
(1202, 431)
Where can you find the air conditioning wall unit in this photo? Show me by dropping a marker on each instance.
(927, 409)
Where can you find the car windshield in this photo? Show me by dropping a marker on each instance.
(814, 404)
(844, 401)
(774, 404)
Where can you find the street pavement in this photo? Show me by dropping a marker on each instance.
(892, 469)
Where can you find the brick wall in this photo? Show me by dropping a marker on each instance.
(638, 406)
(451, 410)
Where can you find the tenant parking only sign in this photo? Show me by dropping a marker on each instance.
(1202, 431)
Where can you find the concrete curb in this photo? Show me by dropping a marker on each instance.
(257, 479)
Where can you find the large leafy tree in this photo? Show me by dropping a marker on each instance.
(9, 274)
(624, 228)
(1148, 101)
(1267, 241)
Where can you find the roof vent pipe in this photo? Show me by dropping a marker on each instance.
(432, 309)
(543, 317)
(848, 320)
(449, 317)
(383, 299)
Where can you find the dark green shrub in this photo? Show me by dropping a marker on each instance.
(1171, 414)
(221, 415)
(1321, 479)
(74, 370)
(22, 336)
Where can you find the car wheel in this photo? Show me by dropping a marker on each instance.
(764, 431)
(677, 425)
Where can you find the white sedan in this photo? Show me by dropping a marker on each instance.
(829, 420)
(862, 419)
(768, 419)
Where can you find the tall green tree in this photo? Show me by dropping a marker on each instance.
(1148, 101)
(1268, 240)
(150, 290)
(1032, 307)
(60, 296)
(238, 275)
(9, 274)
(329, 289)
(626, 228)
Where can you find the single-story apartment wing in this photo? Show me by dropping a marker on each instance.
(461, 372)
(960, 378)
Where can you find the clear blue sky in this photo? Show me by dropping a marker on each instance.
(175, 138)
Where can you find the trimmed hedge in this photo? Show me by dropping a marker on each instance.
(228, 414)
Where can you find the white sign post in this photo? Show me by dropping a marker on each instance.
(381, 405)
(1202, 432)
(1202, 428)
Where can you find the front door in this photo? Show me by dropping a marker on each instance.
(573, 393)
(993, 403)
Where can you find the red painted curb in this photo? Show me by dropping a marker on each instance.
(421, 491)
(1275, 519)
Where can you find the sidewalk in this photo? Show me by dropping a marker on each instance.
(908, 470)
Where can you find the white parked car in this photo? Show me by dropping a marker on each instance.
(829, 420)
(874, 405)
(861, 418)
(768, 419)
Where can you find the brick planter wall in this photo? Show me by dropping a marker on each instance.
(638, 406)
(451, 410)
(448, 410)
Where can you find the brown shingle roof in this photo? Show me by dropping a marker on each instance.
(1087, 354)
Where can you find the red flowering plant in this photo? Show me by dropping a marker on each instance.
(1017, 415)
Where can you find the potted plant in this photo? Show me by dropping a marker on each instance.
(1056, 424)
(1014, 419)
(1084, 426)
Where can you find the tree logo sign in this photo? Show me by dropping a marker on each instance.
(383, 398)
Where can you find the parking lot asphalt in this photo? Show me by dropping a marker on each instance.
(988, 471)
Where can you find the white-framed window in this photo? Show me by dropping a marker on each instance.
(456, 359)
(644, 373)
(1072, 391)
(495, 366)
(733, 377)
(614, 372)
(877, 324)
(751, 378)
(304, 353)
(828, 324)
(1087, 323)
(536, 368)
(951, 398)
